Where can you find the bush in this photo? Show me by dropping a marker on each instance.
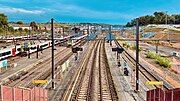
(134, 48)
(126, 45)
(151, 55)
(163, 62)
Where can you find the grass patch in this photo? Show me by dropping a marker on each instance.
(126, 45)
(162, 61)
(134, 48)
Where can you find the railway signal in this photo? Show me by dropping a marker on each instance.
(126, 72)
(119, 51)
(75, 50)
(157, 43)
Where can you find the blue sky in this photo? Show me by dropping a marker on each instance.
(100, 11)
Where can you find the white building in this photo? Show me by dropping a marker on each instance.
(24, 26)
(169, 26)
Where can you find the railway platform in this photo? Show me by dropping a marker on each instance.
(123, 85)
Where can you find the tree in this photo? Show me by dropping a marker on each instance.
(20, 30)
(159, 18)
(156, 18)
(11, 29)
(20, 23)
(34, 25)
(128, 24)
(26, 30)
(3, 23)
(177, 18)
(3, 20)
(1, 30)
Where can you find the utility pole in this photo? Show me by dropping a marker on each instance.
(52, 39)
(63, 31)
(29, 43)
(37, 51)
(167, 26)
(110, 35)
(166, 18)
(137, 54)
(88, 33)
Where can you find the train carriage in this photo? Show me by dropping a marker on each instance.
(15, 50)
(4, 53)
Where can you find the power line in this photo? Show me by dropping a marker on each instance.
(6, 39)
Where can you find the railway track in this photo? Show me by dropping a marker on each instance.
(106, 81)
(143, 70)
(94, 81)
(42, 70)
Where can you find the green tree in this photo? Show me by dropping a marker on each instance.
(177, 18)
(159, 17)
(26, 30)
(20, 30)
(34, 25)
(1, 30)
(11, 29)
(156, 18)
(128, 24)
(20, 23)
(145, 20)
(3, 20)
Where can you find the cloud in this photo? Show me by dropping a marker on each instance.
(73, 10)
(6, 9)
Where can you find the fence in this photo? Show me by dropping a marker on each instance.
(22, 94)
(161, 95)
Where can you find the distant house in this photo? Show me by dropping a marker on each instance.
(24, 26)
(48, 28)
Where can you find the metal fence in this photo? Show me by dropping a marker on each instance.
(162, 95)
(22, 94)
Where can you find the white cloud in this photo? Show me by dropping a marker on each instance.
(88, 13)
(6, 9)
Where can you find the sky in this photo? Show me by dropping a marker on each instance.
(96, 11)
